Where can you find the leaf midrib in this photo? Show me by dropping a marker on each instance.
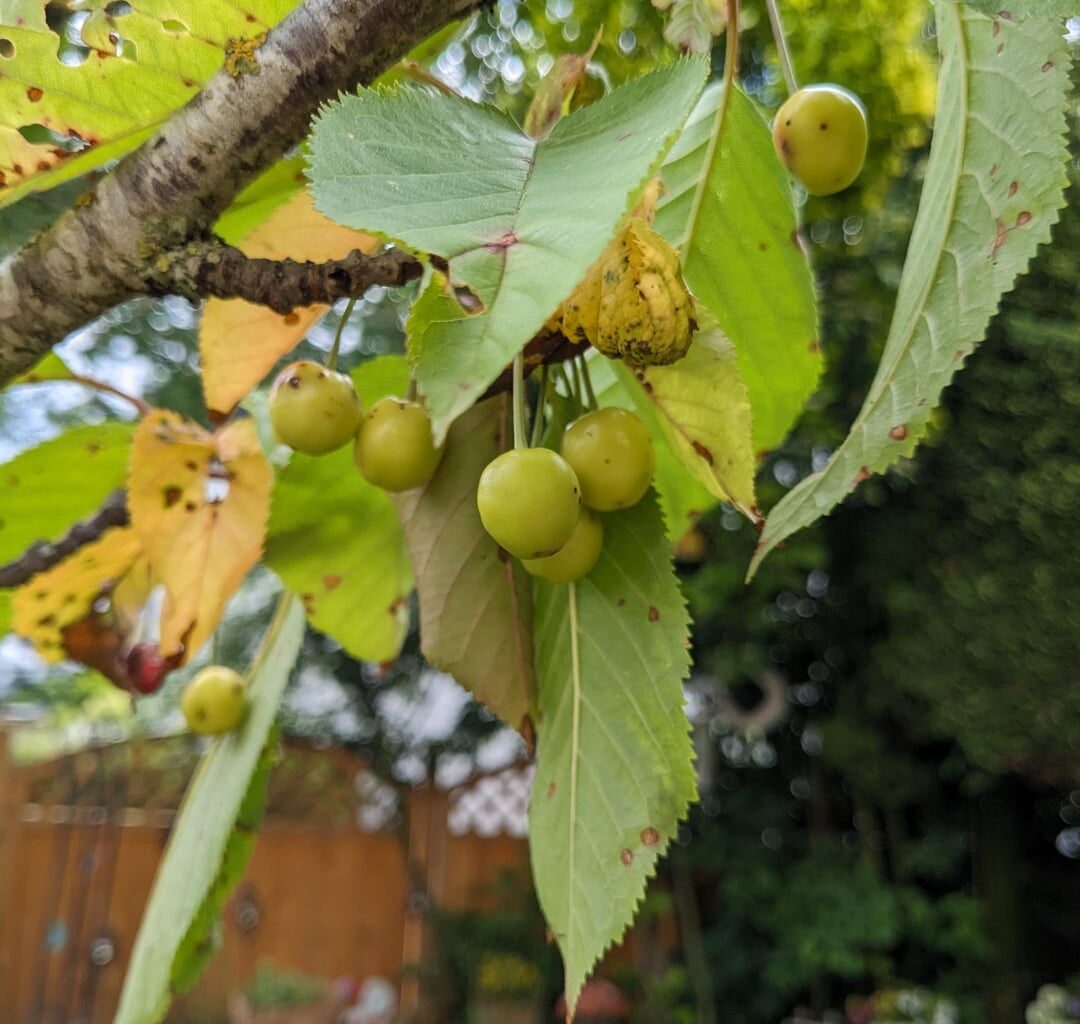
(886, 378)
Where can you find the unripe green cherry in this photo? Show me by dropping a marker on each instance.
(394, 447)
(314, 410)
(215, 701)
(576, 557)
(611, 453)
(820, 136)
(529, 501)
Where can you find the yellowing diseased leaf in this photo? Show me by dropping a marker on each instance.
(199, 502)
(702, 407)
(239, 342)
(633, 304)
(143, 61)
(59, 597)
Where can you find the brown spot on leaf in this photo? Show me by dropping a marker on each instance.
(627, 858)
(550, 790)
(762, 246)
(308, 601)
(703, 452)
(993, 170)
(1005, 15)
(1014, 187)
(171, 495)
(649, 836)
(814, 346)
(1022, 218)
(34, 94)
(1000, 49)
(43, 165)
(863, 474)
(190, 506)
(291, 319)
(1048, 66)
(997, 27)
(331, 581)
(1000, 235)
(899, 432)
(620, 602)
(654, 614)
(503, 243)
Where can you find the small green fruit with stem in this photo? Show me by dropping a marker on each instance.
(576, 557)
(529, 500)
(215, 701)
(395, 449)
(313, 409)
(820, 136)
(610, 451)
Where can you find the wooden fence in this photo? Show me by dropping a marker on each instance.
(329, 900)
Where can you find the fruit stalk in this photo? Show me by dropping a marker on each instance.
(331, 359)
(520, 440)
(786, 65)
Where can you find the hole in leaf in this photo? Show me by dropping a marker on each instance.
(118, 8)
(7, 49)
(172, 25)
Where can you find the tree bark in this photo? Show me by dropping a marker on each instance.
(175, 186)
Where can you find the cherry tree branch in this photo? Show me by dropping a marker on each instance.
(205, 269)
(43, 555)
(175, 186)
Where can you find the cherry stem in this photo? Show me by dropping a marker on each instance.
(786, 64)
(519, 400)
(99, 385)
(589, 393)
(331, 359)
(414, 392)
(538, 416)
(575, 380)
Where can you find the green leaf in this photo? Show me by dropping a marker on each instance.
(701, 406)
(475, 605)
(1020, 9)
(46, 490)
(730, 211)
(199, 944)
(335, 540)
(505, 211)
(615, 765)
(994, 185)
(200, 838)
(139, 68)
(5, 612)
(51, 368)
(682, 498)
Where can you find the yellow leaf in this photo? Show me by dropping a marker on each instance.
(199, 502)
(239, 342)
(59, 597)
(702, 407)
(633, 304)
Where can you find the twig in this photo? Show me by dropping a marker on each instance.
(212, 269)
(786, 63)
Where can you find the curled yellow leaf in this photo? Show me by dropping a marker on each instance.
(633, 304)
(199, 503)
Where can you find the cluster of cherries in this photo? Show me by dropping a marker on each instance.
(541, 505)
